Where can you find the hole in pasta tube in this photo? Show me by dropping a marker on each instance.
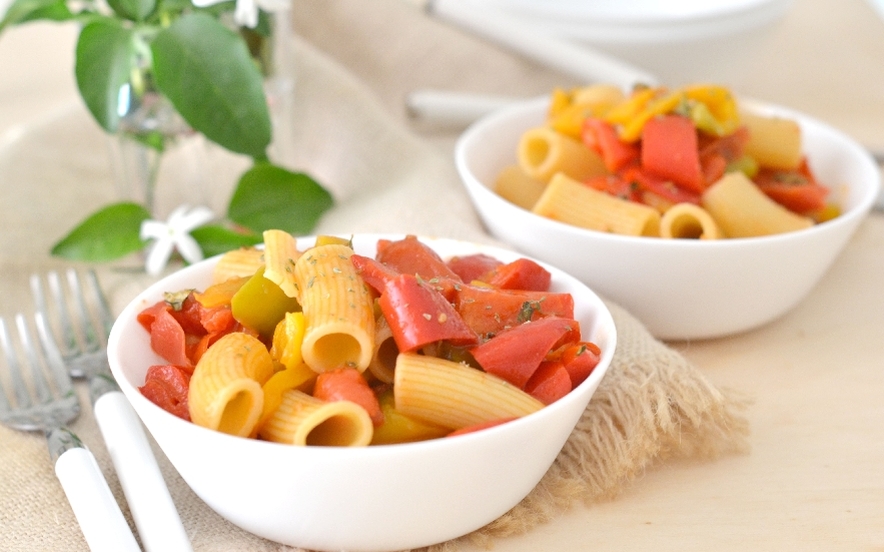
(338, 424)
(384, 361)
(238, 417)
(686, 227)
(334, 350)
(537, 152)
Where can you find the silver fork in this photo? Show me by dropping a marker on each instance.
(43, 399)
(84, 321)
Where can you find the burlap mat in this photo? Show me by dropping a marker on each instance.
(652, 406)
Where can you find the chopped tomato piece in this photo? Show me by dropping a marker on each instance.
(796, 190)
(472, 267)
(167, 386)
(419, 315)
(522, 274)
(669, 151)
(601, 136)
(347, 384)
(515, 354)
(549, 383)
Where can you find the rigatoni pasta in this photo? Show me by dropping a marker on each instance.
(689, 221)
(469, 372)
(544, 152)
(225, 390)
(455, 396)
(302, 419)
(659, 147)
(338, 310)
(569, 201)
(743, 211)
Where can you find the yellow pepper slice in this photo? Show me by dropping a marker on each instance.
(400, 428)
(287, 339)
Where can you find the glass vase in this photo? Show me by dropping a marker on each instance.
(160, 162)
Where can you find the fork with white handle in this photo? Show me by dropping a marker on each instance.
(83, 345)
(41, 398)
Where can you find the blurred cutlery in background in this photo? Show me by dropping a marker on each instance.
(585, 64)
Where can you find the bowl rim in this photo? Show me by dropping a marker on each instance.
(603, 318)
(470, 136)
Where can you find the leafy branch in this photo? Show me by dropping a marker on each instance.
(207, 72)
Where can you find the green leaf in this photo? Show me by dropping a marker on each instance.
(23, 11)
(109, 233)
(136, 10)
(215, 239)
(206, 71)
(104, 59)
(271, 197)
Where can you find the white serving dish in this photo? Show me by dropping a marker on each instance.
(391, 497)
(680, 289)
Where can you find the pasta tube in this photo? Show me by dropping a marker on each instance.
(304, 420)
(569, 201)
(774, 142)
(543, 152)
(742, 210)
(225, 389)
(238, 263)
(515, 186)
(338, 310)
(686, 220)
(383, 361)
(280, 254)
(453, 395)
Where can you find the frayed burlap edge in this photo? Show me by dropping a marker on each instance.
(652, 405)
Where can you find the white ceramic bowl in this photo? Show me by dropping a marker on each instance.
(391, 497)
(678, 40)
(680, 289)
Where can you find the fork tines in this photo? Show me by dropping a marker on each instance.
(81, 316)
(40, 392)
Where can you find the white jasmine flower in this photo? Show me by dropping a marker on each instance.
(246, 13)
(174, 234)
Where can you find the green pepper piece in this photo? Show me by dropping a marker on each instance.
(260, 304)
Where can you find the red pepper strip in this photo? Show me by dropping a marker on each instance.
(419, 315)
(642, 180)
(167, 387)
(411, 256)
(375, 274)
(515, 354)
(473, 267)
(580, 360)
(549, 383)
(601, 136)
(795, 190)
(489, 311)
(347, 384)
(670, 151)
(521, 274)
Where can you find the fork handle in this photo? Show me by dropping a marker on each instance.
(97, 512)
(156, 517)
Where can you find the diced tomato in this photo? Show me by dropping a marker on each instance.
(580, 360)
(489, 311)
(523, 274)
(601, 136)
(167, 337)
(663, 188)
(419, 315)
(515, 354)
(167, 386)
(549, 383)
(670, 151)
(347, 384)
(730, 147)
(472, 267)
(616, 185)
(796, 190)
